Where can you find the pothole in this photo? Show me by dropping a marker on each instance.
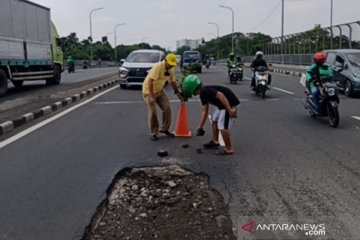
(160, 203)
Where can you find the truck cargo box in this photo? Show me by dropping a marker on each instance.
(25, 31)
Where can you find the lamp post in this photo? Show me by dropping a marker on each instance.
(217, 27)
(232, 31)
(331, 24)
(282, 32)
(117, 25)
(91, 50)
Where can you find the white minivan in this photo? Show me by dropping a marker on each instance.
(137, 65)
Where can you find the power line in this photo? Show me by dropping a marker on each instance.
(272, 11)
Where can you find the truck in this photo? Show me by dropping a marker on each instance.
(29, 45)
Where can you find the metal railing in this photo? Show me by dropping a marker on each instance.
(291, 59)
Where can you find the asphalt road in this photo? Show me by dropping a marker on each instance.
(287, 166)
(35, 94)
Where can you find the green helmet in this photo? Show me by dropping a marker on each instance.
(190, 84)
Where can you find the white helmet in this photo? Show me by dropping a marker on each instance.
(259, 54)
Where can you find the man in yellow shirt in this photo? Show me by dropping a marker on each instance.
(154, 93)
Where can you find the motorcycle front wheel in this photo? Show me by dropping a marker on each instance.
(333, 115)
(263, 91)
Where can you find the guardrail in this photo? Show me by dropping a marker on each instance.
(290, 59)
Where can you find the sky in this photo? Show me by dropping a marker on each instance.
(163, 22)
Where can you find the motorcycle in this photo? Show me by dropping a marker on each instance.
(261, 81)
(328, 101)
(208, 63)
(235, 73)
(71, 68)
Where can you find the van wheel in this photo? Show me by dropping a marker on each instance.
(3, 83)
(348, 88)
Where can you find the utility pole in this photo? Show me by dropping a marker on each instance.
(282, 33)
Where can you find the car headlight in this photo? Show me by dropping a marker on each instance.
(357, 75)
(123, 72)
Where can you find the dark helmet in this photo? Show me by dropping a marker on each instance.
(231, 55)
(238, 57)
(319, 57)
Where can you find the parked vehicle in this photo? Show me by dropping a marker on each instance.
(28, 51)
(235, 73)
(137, 65)
(191, 62)
(261, 81)
(329, 101)
(346, 66)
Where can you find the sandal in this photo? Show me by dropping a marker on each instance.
(211, 144)
(223, 152)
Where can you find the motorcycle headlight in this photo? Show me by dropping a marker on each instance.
(331, 91)
(262, 77)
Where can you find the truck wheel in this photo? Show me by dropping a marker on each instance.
(3, 83)
(18, 84)
(57, 77)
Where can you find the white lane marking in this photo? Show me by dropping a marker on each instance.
(356, 117)
(140, 102)
(221, 140)
(247, 78)
(283, 90)
(49, 120)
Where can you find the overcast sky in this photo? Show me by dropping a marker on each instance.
(162, 22)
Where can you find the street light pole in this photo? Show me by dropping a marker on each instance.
(331, 24)
(282, 33)
(232, 31)
(217, 27)
(120, 24)
(91, 50)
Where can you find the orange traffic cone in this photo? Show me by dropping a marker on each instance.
(182, 127)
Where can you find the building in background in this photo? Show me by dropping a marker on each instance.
(188, 42)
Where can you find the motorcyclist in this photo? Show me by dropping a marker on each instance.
(313, 74)
(231, 62)
(238, 59)
(70, 63)
(207, 61)
(257, 62)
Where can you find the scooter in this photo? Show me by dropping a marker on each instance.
(208, 63)
(236, 73)
(261, 81)
(71, 68)
(328, 101)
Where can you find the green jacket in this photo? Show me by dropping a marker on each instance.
(312, 72)
(230, 62)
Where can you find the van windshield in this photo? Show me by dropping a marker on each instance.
(143, 57)
(354, 59)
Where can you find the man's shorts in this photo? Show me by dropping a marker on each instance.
(224, 121)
